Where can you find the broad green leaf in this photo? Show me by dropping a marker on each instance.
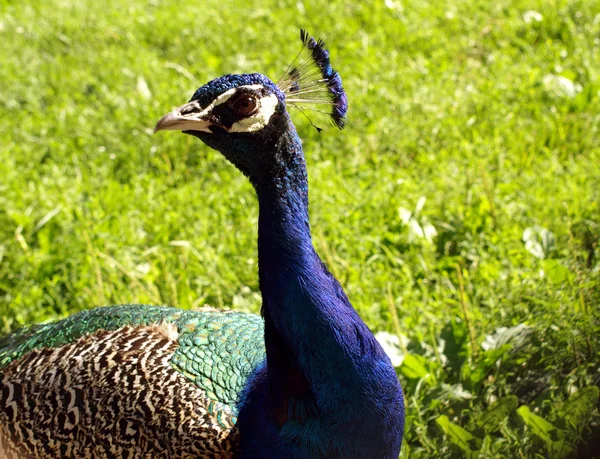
(579, 406)
(552, 436)
(415, 367)
(557, 273)
(460, 437)
(538, 425)
(497, 412)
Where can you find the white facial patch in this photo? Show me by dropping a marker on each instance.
(260, 119)
(192, 117)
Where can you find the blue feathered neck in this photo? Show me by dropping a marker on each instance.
(328, 390)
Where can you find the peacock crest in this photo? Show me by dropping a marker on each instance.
(310, 80)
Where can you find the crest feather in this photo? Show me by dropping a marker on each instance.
(313, 81)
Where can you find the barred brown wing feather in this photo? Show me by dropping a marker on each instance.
(127, 381)
(110, 394)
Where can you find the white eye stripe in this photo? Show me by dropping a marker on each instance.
(223, 98)
(260, 119)
(229, 94)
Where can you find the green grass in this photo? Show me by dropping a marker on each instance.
(455, 121)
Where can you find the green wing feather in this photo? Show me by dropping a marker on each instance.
(217, 349)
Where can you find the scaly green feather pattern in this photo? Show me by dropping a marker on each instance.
(217, 349)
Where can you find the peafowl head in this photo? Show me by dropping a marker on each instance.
(245, 116)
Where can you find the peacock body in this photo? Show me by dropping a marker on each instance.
(307, 380)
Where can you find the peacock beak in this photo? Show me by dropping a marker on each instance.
(188, 117)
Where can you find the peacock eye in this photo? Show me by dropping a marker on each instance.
(245, 105)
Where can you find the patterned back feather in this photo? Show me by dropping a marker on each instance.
(190, 364)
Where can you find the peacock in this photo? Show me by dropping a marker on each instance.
(306, 379)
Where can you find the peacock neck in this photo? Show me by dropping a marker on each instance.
(327, 389)
(321, 357)
(292, 278)
(285, 250)
(283, 228)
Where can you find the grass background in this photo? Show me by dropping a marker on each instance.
(459, 208)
